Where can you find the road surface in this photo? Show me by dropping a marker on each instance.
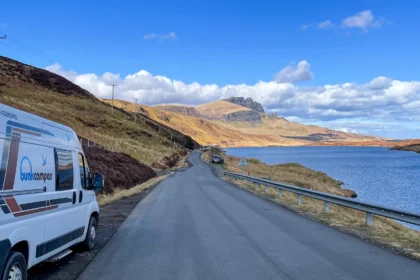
(196, 226)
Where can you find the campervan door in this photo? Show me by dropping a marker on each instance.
(39, 182)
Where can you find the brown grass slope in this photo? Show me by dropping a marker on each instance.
(271, 131)
(121, 171)
(274, 125)
(204, 131)
(53, 97)
(181, 109)
(219, 109)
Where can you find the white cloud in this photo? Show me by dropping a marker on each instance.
(380, 82)
(363, 20)
(150, 36)
(56, 68)
(170, 35)
(325, 24)
(290, 74)
(162, 37)
(381, 106)
(304, 27)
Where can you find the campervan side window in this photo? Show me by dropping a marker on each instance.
(84, 172)
(64, 170)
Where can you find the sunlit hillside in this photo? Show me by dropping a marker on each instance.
(51, 96)
(219, 109)
(271, 131)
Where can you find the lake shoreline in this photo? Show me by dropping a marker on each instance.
(377, 174)
(386, 233)
(408, 148)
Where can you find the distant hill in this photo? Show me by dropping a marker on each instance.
(216, 124)
(51, 96)
(219, 109)
(181, 109)
(412, 145)
(227, 111)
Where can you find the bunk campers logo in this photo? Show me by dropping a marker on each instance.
(26, 173)
(8, 115)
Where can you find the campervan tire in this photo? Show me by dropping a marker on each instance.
(16, 267)
(90, 239)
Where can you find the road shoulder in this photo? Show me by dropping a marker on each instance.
(112, 215)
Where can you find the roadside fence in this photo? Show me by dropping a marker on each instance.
(369, 208)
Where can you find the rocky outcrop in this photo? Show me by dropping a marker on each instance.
(243, 116)
(185, 110)
(248, 103)
(349, 193)
(411, 148)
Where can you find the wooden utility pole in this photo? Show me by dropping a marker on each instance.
(112, 104)
(135, 109)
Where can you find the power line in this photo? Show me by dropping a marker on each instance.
(112, 104)
(28, 50)
(8, 45)
(135, 110)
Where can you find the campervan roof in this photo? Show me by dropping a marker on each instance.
(35, 128)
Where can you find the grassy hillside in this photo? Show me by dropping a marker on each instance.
(219, 109)
(51, 96)
(271, 131)
(204, 131)
(274, 125)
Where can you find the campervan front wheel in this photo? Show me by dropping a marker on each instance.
(90, 239)
(15, 268)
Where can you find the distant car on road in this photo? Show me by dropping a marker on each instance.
(217, 159)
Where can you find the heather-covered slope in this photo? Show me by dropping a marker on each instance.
(51, 96)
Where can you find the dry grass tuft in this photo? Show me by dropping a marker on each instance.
(121, 193)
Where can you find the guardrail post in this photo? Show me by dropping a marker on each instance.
(368, 218)
(299, 199)
(326, 207)
(280, 193)
(266, 188)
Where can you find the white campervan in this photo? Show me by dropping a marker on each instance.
(47, 194)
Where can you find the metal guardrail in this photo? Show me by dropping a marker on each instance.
(368, 208)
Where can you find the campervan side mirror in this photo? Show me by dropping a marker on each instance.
(98, 182)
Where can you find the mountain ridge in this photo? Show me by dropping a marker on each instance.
(272, 130)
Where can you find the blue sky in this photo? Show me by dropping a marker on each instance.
(229, 43)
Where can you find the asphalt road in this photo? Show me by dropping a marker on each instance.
(196, 226)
